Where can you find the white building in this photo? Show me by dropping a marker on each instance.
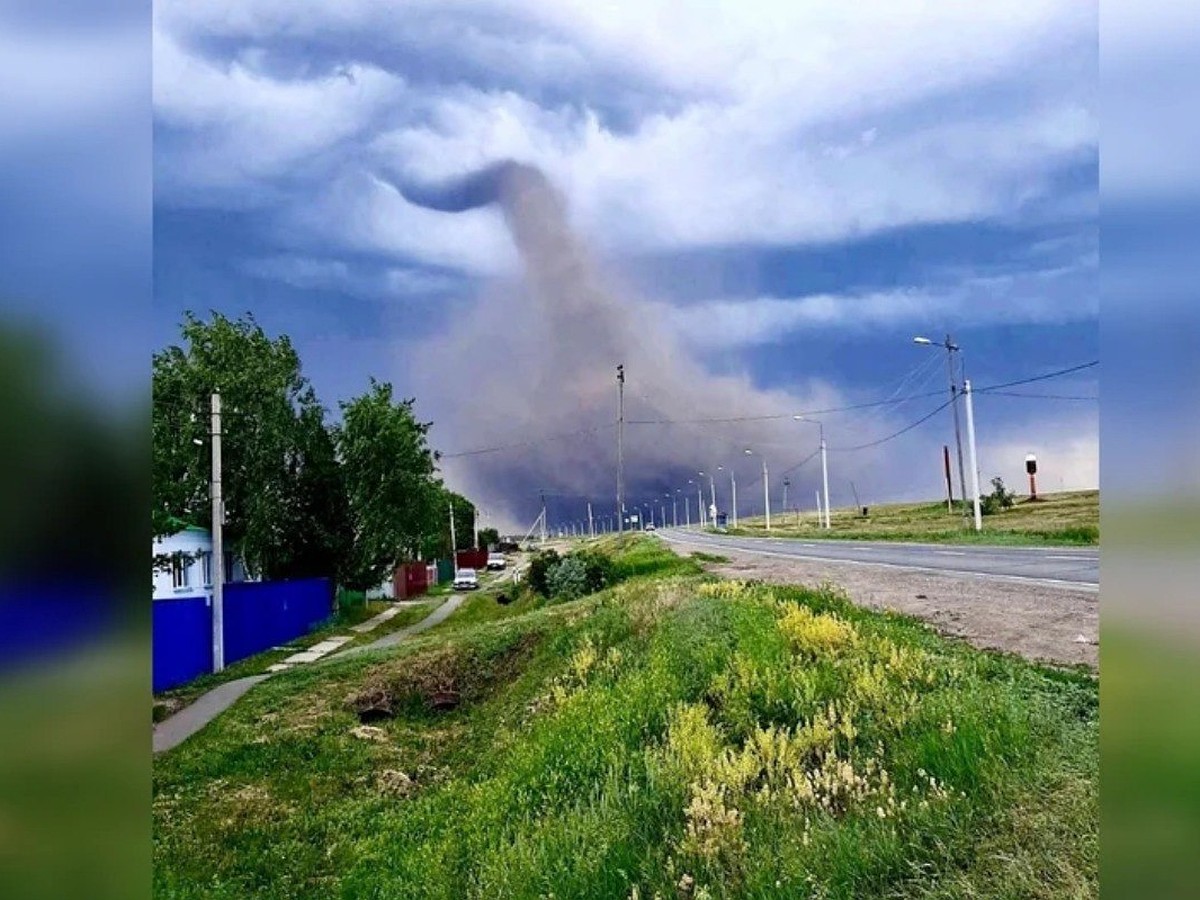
(190, 572)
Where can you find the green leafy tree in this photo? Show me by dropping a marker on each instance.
(488, 537)
(266, 402)
(321, 513)
(388, 470)
(999, 499)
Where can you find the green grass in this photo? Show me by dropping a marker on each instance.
(660, 730)
(1063, 519)
(349, 613)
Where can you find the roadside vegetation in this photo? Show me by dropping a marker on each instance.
(671, 735)
(350, 612)
(1064, 519)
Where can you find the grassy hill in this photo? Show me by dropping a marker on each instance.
(1068, 518)
(671, 736)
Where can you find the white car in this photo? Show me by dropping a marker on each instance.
(651, 527)
(496, 561)
(466, 580)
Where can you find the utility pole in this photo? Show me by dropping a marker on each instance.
(591, 524)
(819, 519)
(543, 496)
(218, 539)
(825, 475)
(700, 503)
(766, 494)
(974, 459)
(621, 445)
(962, 478)
(474, 529)
(786, 484)
(733, 495)
(453, 541)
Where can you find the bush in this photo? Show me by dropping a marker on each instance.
(1000, 498)
(539, 568)
(598, 569)
(567, 579)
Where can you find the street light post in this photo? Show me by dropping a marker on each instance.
(824, 465)
(766, 488)
(951, 349)
(733, 492)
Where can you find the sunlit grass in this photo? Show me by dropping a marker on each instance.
(739, 740)
(1071, 518)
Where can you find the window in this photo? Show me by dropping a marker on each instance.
(179, 570)
(206, 568)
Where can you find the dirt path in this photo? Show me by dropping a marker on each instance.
(1038, 622)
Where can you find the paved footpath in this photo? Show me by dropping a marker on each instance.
(178, 728)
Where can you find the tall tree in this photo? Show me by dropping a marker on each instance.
(388, 470)
(321, 511)
(265, 400)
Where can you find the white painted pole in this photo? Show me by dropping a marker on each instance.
(733, 491)
(218, 539)
(819, 515)
(591, 524)
(687, 511)
(766, 494)
(974, 459)
(700, 502)
(825, 475)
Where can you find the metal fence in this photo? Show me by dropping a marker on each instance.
(258, 616)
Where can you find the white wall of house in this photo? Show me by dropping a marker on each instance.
(191, 575)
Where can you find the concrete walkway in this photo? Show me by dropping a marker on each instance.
(436, 617)
(178, 728)
(181, 726)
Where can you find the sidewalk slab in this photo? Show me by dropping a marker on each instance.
(178, 728)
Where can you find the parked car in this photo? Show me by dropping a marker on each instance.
(651, 527)
(466, 580)
(496, 561)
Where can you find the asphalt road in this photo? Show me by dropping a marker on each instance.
(1064, 566)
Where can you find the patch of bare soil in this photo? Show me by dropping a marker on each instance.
(1040, 622)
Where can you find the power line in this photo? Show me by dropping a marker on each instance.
(1041, 396)
(1057, 374)
(925, 418)
(530, 443)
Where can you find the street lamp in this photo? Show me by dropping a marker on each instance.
(824, 462)
(699, 501)
(733, 494)
(712, 510)
(951, 349)
(766, 487)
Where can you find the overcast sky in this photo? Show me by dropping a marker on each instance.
(791, 190)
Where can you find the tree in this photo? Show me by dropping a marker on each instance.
(999, 499)
(269, 413)
(489, 537)
(321, 511)
(388, 471)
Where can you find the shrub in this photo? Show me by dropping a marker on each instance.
(567, 579)
(539, 568)
(598, 568)
(1000, 498)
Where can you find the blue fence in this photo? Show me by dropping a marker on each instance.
(182, 640)
(258, 616)
(263, 614)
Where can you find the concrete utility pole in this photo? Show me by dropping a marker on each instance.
(825, 475)
(453, 539)
(687, 511)
(543, 496)
(218, 539)
(591, 524)
(951, 349)
(621, 445)
(733, 496)
(820, 520)
(766, 494)
(786, 484)
(700, 503)
(974, 459)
